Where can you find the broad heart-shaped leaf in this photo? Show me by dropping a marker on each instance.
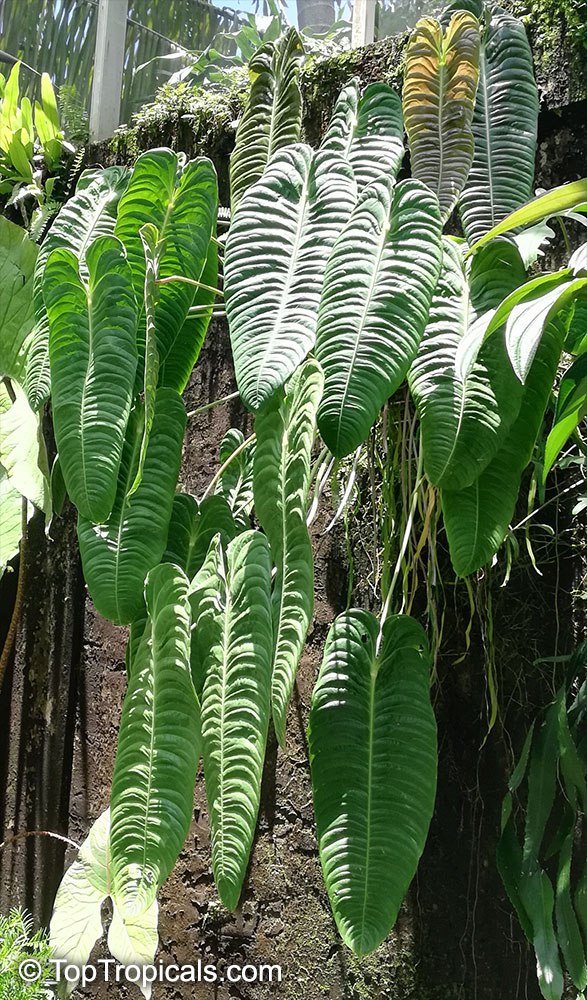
(368, 131)
(181, 202)
(276, 254)
(192, 528)
(440, 84)
(504, 128)
(374, 307)
(11, 504)
(235, 703)
(133, 941)
(372, 740)
(23, 455)
(158, 749)
(118, 553)
(272, 118)
(571, 407)
(93, 355)
(281, 479)
(462, 422)
(90, 213)
(477, 518)
(76, 922)
(236, 482)
(18, 254)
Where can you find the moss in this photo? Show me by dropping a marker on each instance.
(558, 35)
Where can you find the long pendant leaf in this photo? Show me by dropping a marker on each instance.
(235, 703)
(181, 202)
(276, 254)
(93, 354)
(118, 553)
(463, 422)
(368, 131)
(158, 749)
(273, 116)
(374, 307)
(372, 744)
(440, 84)
(504, 128)
(281, 478)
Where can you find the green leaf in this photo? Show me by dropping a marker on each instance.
(504, 130)
(285, 434)
(158, 749)
(76, 922)
(538, 898)
(557, 201)
(372, 741)
(118, 553)
(440, 84)
(527, 320)
(571, 407)
(90, 213)
(133, 940)
(181, 202)
(23, 455)
(567, 925)
(235, 704)
(152, 249)
(276, 254)
(477, 518)
(374, 307)
(17, 263)
(10, 518)
(93, 355)
(236, 482)
(368, 132)
(49, 102)
(272, 117)
(463, 422)
(192, 527)
(494, 273)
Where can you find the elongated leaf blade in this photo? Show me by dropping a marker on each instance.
(236, 482)
(272, 118)
(235, 705)
(368, 131)
(372, 744)
(504, 129)
(182, 205)
(158, 749)
(440, 85)
(374, 307)
(477, 518)
(462, 423)
(276, 254)
(281, 478)
(90, 213)
(152, 250)
(93, 355)
(118, 553)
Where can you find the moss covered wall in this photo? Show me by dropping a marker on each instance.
(203, 123)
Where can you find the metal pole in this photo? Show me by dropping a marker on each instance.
(363, 32)
(108, 67)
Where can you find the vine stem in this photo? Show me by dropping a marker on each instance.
(403, 547)
(225, 465)
(188, 281)
(215, 402)
(18, 600)
(38, 833)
